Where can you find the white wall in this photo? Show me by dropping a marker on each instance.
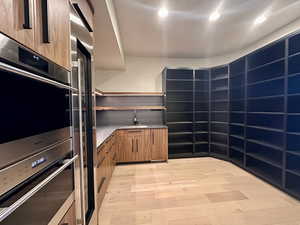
(144, 73)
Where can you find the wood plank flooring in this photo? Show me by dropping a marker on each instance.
(199, 191)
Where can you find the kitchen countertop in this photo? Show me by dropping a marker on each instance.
(103, 132)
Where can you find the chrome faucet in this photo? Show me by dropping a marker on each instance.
(135, 120)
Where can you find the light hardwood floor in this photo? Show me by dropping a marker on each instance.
(200, 191)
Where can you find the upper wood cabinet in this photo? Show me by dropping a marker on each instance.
(159, 144)
(24, 27)
(7, 22)
(17, 21)
(41, 25)
(53, 30)
(86, 10)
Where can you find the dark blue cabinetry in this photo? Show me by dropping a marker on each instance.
(247, 112)
(219, 114)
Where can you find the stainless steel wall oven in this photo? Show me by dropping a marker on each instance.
(36, 146)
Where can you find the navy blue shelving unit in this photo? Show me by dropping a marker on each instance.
(237, 109)
(247, 112)
(187, 102)
(292, 144)
(265, 112)
(201, 110)
(219, 106)
(179, 116)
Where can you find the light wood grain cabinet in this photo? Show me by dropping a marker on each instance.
(24, 26)
(17, 21)
(7, 22)
(106, 162)
(134, 146)
(41, 25)
(159, 144)
(52, 36)
(70, 217)
(86, 11)
(141, 145)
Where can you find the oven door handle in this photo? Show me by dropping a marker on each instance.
(9, 210)
(24, 73)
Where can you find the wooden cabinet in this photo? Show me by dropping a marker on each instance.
(70, 217)
(52, 36)
(141, 145)
(106, 162)
(15, 24)
(24, 27)
(159, 144)
(6, 12)
(87, 12)
(43, 26)
(134, 146)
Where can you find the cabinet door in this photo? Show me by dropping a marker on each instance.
(24, 26)
(143, 149)
(7, 20)
(86, 11)
(69, 218)
(52, 36)
(126, 151)
(159, 144)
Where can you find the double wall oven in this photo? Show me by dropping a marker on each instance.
(36, 157)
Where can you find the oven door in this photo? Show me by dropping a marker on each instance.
(35, 113)
(37, 202)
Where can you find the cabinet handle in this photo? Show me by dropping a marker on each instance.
(137, 145)
(152, 137)
(101, 184)
(132, 144)
(27, 24)
(45, 21)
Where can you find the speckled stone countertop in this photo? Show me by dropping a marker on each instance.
(103, 132)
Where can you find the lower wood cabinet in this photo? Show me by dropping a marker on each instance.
(141, 145)
(70, 217)
(159, 144)
(132, 145)
(106, 162)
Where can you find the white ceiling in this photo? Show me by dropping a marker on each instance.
(188, 33)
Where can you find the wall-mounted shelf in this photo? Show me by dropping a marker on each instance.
(128, 108)
(127, 94)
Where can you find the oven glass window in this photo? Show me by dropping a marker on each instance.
(30, 107)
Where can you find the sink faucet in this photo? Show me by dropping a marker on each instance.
(135, 120)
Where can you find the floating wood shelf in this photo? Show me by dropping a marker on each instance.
(100, 93)
(128, 108)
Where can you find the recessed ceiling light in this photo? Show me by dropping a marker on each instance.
(163, 12)
(214, 16)
(260, 19)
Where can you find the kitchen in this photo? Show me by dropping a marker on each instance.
(149, 112)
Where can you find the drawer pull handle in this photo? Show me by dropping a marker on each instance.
(45, 21)
(101, 184)
(132, 144)
(27, 23)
